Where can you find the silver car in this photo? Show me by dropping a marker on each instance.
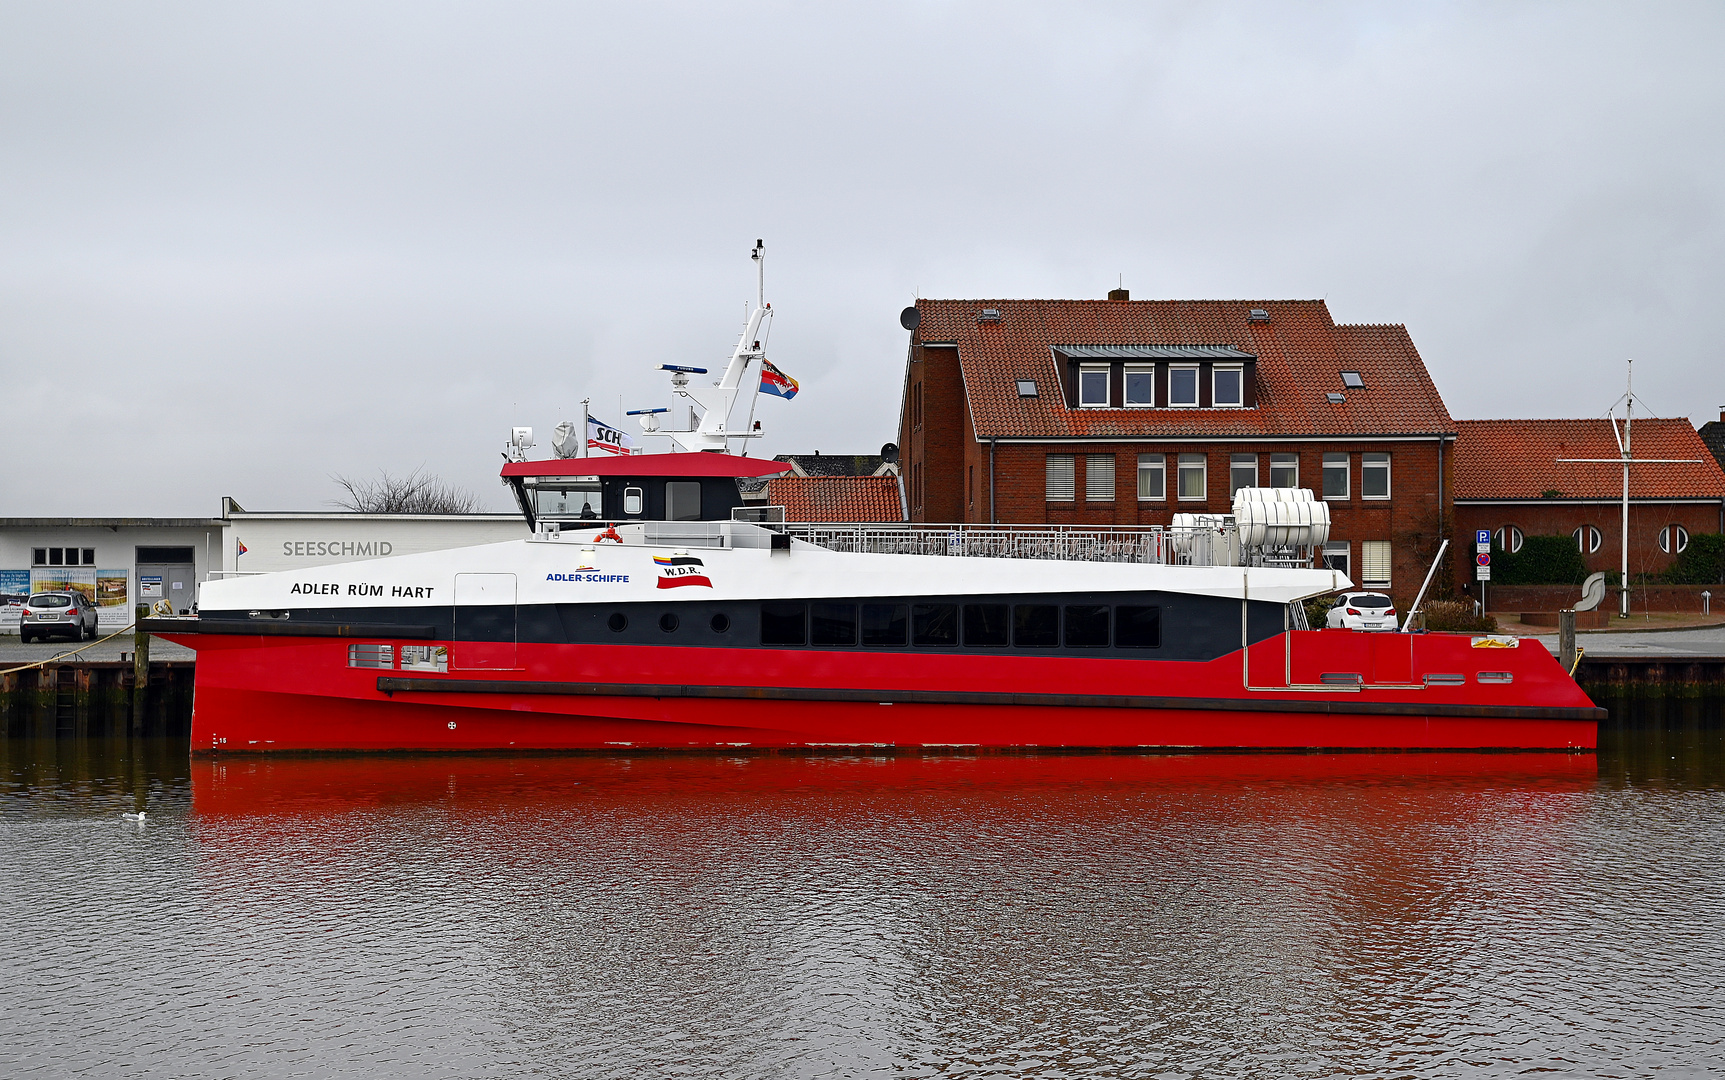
(47, 614)
(1363, 611)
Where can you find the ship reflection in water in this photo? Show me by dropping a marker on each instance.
(919, 915)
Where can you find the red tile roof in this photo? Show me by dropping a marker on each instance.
(837, 498)
(1517, 459)
(1301, 353)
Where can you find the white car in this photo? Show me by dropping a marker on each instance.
(1363, 611)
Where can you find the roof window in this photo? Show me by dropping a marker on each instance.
(1027, 388)
(989, 314)
(1351, 380)
(1257, 314)
(1335, 398)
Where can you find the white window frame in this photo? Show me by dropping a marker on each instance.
(1238, 462)
(1284, 465)
(1095, 465)
(1331, 464)
(1155, 465)
(1673, 539)
(1239, 401)
(1368, 466)
(1056, 488)
(1126, 383)
(1334, 549)
(1196, 397)
(1200, 463)
(1508, 538)
(1587, 539)
(1107, 386)
(1376, 555)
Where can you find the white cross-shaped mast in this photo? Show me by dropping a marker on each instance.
(1626, 459)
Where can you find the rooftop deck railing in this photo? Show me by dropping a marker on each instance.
(1086, 543)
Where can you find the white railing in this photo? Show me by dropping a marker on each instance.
(1084, 543)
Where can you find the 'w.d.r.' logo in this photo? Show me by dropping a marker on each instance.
(680, 569)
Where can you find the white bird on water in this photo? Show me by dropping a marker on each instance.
(139, 816)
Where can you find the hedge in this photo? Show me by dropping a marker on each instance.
(1542, 560)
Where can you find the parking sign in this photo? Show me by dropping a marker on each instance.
(1482, 536)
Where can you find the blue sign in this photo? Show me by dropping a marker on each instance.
(1482, 536)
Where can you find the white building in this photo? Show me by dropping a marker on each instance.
(122, 562)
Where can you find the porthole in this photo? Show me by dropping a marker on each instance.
(618, 622)
(721, 623)
(668, 622)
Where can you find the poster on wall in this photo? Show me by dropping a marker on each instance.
(64, 579)
(14, 590)
(112, 607)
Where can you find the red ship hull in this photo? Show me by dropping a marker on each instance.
(273, 694)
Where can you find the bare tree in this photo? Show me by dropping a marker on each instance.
(416, 493)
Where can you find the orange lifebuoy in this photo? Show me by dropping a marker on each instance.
(610, 534)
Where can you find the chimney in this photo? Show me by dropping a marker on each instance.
(1119, 294)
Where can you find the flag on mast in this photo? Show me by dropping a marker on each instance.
(602, 436)
(776, 382)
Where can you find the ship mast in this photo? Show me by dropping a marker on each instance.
(742, 373)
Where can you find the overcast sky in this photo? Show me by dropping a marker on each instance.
(244, 247)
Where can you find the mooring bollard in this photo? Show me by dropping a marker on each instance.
(1566, 638)
(140, 668)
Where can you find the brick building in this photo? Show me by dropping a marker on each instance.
(1126, 412)
(1508, 481)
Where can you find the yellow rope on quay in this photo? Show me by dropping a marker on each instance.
(1579, 653)
(64, 655)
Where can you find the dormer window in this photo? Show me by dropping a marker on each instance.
(1093, 387)
(1226, 386)
(1183, 386)
(1140, 386)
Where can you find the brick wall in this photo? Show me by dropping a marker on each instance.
(1662, 598)
(932, 436)
(1535, 518)
(1409, 519)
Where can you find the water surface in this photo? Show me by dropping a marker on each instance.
(791, 916)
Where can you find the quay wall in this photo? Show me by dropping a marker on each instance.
(95, 698)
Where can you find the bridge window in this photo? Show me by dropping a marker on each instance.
(934, 624)
(783, 624)
(986, 625)
(833, 624)
(682, 500)
(633, 503)
(884, 624)
(1086, 626)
